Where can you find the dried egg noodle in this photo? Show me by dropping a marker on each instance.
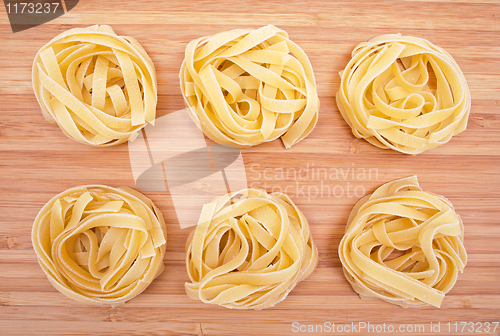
(387, 94)
(249, 250)
(98, 87)
(425, 231)
(245, 87)
(100, 244)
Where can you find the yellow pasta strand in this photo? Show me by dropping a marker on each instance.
(98, 87)
(404, 93)
(99, 244)
(403, 245)
(248, 86)
(249, 250)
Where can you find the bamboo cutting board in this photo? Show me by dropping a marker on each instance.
(37, 161)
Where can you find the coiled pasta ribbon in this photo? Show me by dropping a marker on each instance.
(403, 93)
(249, 250)
(98, 87)
(245, 87)
(420, 228)
(100, 244)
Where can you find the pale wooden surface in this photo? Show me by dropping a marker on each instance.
(37, 161)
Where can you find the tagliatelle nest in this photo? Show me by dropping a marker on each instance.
(248, 86)
(249, 250)
(403, 93)
(403, 245)
(99, 244)
(98, 87)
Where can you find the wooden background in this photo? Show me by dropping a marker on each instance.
(37, 161)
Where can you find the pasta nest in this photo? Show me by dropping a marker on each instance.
(100, 244)
(403, 93)
(249, 250)
(98, 87)
(248, 86)
(403, 245)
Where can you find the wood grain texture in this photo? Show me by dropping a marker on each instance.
(37, 161)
